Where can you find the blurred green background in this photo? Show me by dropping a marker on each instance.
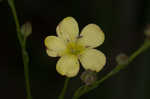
(123, 22)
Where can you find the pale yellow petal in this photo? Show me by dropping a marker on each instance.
(68, 29)
(68, 65)
(51, 53)
(92, 59)
(91, 36)
(55, 46)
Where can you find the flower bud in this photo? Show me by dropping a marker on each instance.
(88, 77)
(147, 31)
(122, 58)
(26, 29)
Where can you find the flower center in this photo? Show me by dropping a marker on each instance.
(74, 48)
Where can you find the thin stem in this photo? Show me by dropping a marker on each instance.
(23, 47)
(62, 94)
(84, 89)
(12, 6)
(26, 73)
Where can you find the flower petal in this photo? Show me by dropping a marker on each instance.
(51, 53)
(91, 36)
(93, 59)
(68, 65)
(55, 46)
(68, 29)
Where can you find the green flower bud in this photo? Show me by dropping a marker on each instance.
(26, 29)
(122, 58)
(147, 31)
(88, 77)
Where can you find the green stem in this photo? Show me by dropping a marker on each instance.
(62, 94)
(84, 89)
(12, 6)
(26, 73)
(23, 47)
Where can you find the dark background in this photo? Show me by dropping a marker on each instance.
(123, 22)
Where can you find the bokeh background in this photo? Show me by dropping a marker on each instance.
(123, 22)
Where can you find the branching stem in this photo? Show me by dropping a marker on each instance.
(22, 42)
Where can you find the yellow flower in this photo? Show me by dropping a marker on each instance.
(73, 47)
